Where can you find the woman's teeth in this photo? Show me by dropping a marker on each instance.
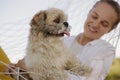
(92, 29)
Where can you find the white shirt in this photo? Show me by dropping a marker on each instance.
(97, 54)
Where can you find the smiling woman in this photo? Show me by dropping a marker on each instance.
(88, 47)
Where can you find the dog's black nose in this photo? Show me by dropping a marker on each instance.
(66, 24)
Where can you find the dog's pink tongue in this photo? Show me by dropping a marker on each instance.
(67, 33)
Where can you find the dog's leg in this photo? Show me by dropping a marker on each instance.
(75, 67)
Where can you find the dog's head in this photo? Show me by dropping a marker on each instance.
(51, 22)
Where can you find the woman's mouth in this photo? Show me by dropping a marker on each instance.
(91, 29)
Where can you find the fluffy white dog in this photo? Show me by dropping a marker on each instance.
(47, 56)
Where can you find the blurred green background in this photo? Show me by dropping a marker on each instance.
(114, 73)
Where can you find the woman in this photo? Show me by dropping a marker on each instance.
(88, 47)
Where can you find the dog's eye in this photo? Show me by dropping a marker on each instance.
(57, 20)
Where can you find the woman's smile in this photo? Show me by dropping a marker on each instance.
(91, 29)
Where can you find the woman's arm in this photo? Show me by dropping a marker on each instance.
(101, 66)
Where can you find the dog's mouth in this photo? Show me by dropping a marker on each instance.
(63, 34)
(59, 34)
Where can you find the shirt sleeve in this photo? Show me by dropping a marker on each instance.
(101, 65)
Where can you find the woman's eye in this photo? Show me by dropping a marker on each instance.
(104, 24)
(94, 17)
(57, 20)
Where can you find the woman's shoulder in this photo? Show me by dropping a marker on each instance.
(102, 47)
(102, 43)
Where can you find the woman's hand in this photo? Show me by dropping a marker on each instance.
(11, 67)
(21, 64)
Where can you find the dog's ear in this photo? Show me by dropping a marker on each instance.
(39, 19)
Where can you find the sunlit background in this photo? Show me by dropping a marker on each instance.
(15, 16)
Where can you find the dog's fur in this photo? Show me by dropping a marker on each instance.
(47, 56)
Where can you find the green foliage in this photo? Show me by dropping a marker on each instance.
(114, 73)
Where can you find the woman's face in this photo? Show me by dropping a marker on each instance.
(100, 20)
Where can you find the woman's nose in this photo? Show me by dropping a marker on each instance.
(96, 24)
